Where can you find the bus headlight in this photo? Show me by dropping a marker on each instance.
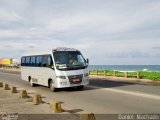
(86, 75)
(62, 77)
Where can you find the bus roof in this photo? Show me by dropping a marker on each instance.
(64, 49)
(50, 51)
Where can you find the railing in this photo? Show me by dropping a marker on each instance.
(9, 67)
(115, 73)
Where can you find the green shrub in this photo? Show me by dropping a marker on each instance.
(150, 75)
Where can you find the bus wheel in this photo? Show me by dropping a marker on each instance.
(52, 88)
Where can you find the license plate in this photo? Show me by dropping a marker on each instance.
(76, 80)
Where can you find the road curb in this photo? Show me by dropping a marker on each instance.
(23, 94)
(87, 116)
(37, 99)
(13, 90)
(1, 84)
(6, 87)
(55, 106)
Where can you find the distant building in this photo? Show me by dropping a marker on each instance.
(8, 62)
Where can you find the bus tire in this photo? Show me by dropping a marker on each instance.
(30, 81)
(51, 85)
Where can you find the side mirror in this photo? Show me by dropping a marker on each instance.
(87, 60)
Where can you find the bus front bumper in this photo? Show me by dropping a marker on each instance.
(64, 83)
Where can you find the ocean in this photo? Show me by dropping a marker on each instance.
(126, 67)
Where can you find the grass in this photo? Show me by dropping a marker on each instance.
(150, 75)
(143, 75)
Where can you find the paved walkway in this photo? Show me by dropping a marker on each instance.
(10, 103)
(11, 106)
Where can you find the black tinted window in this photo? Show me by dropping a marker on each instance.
(33, 61)
(50, 61)
(27, 63)
(38, 61)
(23, 61)
(44, 61)
(47, 61)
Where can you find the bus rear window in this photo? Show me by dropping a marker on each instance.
(23, 61)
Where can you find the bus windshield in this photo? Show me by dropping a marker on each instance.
(69, 60)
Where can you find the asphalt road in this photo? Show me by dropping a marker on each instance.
(100, 97)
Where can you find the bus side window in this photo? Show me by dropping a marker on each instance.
(23, 61)
(33, 60)
(38, 61)
(44, 61)
(50, 62)
(27, 61)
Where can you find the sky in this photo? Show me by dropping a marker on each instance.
(108, 32)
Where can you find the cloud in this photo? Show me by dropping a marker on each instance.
(156, 48)
(103, 30)
(128, 54)
(8, 16)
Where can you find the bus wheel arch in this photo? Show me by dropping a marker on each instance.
(49, 80)
(51, 85)
(30, 81)
(29, 78)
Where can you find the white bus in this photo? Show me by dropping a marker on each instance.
(59, 68)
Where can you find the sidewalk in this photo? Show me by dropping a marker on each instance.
(11, 103)
(14, 108)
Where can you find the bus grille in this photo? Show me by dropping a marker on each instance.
(75, 79)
